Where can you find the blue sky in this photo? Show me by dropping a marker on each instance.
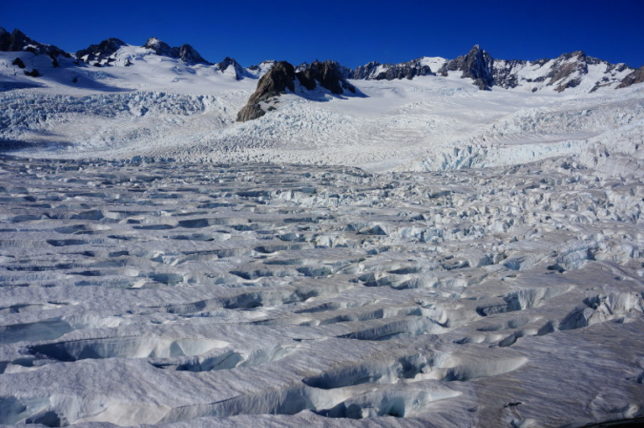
(350, 31)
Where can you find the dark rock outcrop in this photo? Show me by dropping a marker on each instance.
(189, 55)
(32, 73)
(477, 64)
(377, 71)
(17, 41)
(161, 48)
(637, 76)
(328, 74)
(227, 62)
(568, 69)
(18, 62)
(262, 67)
(280, 78)
(505, 73)
(102, 53)
(564, 72)
(186, 53)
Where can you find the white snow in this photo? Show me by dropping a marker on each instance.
(474, 261)
(434, 62)
(397, 124)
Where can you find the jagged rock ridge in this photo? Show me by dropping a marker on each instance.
(239, 71)
(185, 52)
(570, 70)
(101, 53)
(377, 71)
(17, 41)
(104, 53)
(563, 72)
(258, 70)
(282, 77)
(566, 71)
(328, 74)
(477, 64)
(637, 76)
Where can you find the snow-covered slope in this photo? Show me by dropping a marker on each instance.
(151, 101)
(161, 107)
(162, 263)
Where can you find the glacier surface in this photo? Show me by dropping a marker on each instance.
(475, 261)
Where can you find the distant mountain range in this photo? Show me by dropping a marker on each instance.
(567, 71)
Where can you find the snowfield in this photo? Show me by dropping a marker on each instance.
(162, 108)
(422, 253)
(189, 294)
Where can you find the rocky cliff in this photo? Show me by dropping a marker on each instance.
(282, 78)
(377, 71)
(17, 41)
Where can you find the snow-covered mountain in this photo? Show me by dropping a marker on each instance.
(418, 67)
(17, 41)
(429, 113)
(283, 78)
(570, 70)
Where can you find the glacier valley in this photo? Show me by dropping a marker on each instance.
(429, 245)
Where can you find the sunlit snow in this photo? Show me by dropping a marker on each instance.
(422, 254)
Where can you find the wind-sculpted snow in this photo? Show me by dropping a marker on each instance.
(191, 294)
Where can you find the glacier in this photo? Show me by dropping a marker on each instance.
(423, 254)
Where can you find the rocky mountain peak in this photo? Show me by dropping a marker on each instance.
(328, 74)
(227, 62)
(636, 76)
(377, 71)
(574, 54)
(101, 53)
(477, 64)
(153, 42)
(189, 55)
(17, 41)
(275, 82)
(282, 77)
(266, 64)
(161, 48)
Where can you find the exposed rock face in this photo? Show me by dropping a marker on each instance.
(327, 74)
(17, 41)
(189, 55)
(406, 70)
(258, 70)
(102, 53)
(18, 62)
(280, 78)
(505, 72)
(637, 76)
(32, 73)
(477, 64)
(186, 53)
(566, 71)
(161, 48)
(227, 62)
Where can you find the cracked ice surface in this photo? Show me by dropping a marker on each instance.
(190, 294)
